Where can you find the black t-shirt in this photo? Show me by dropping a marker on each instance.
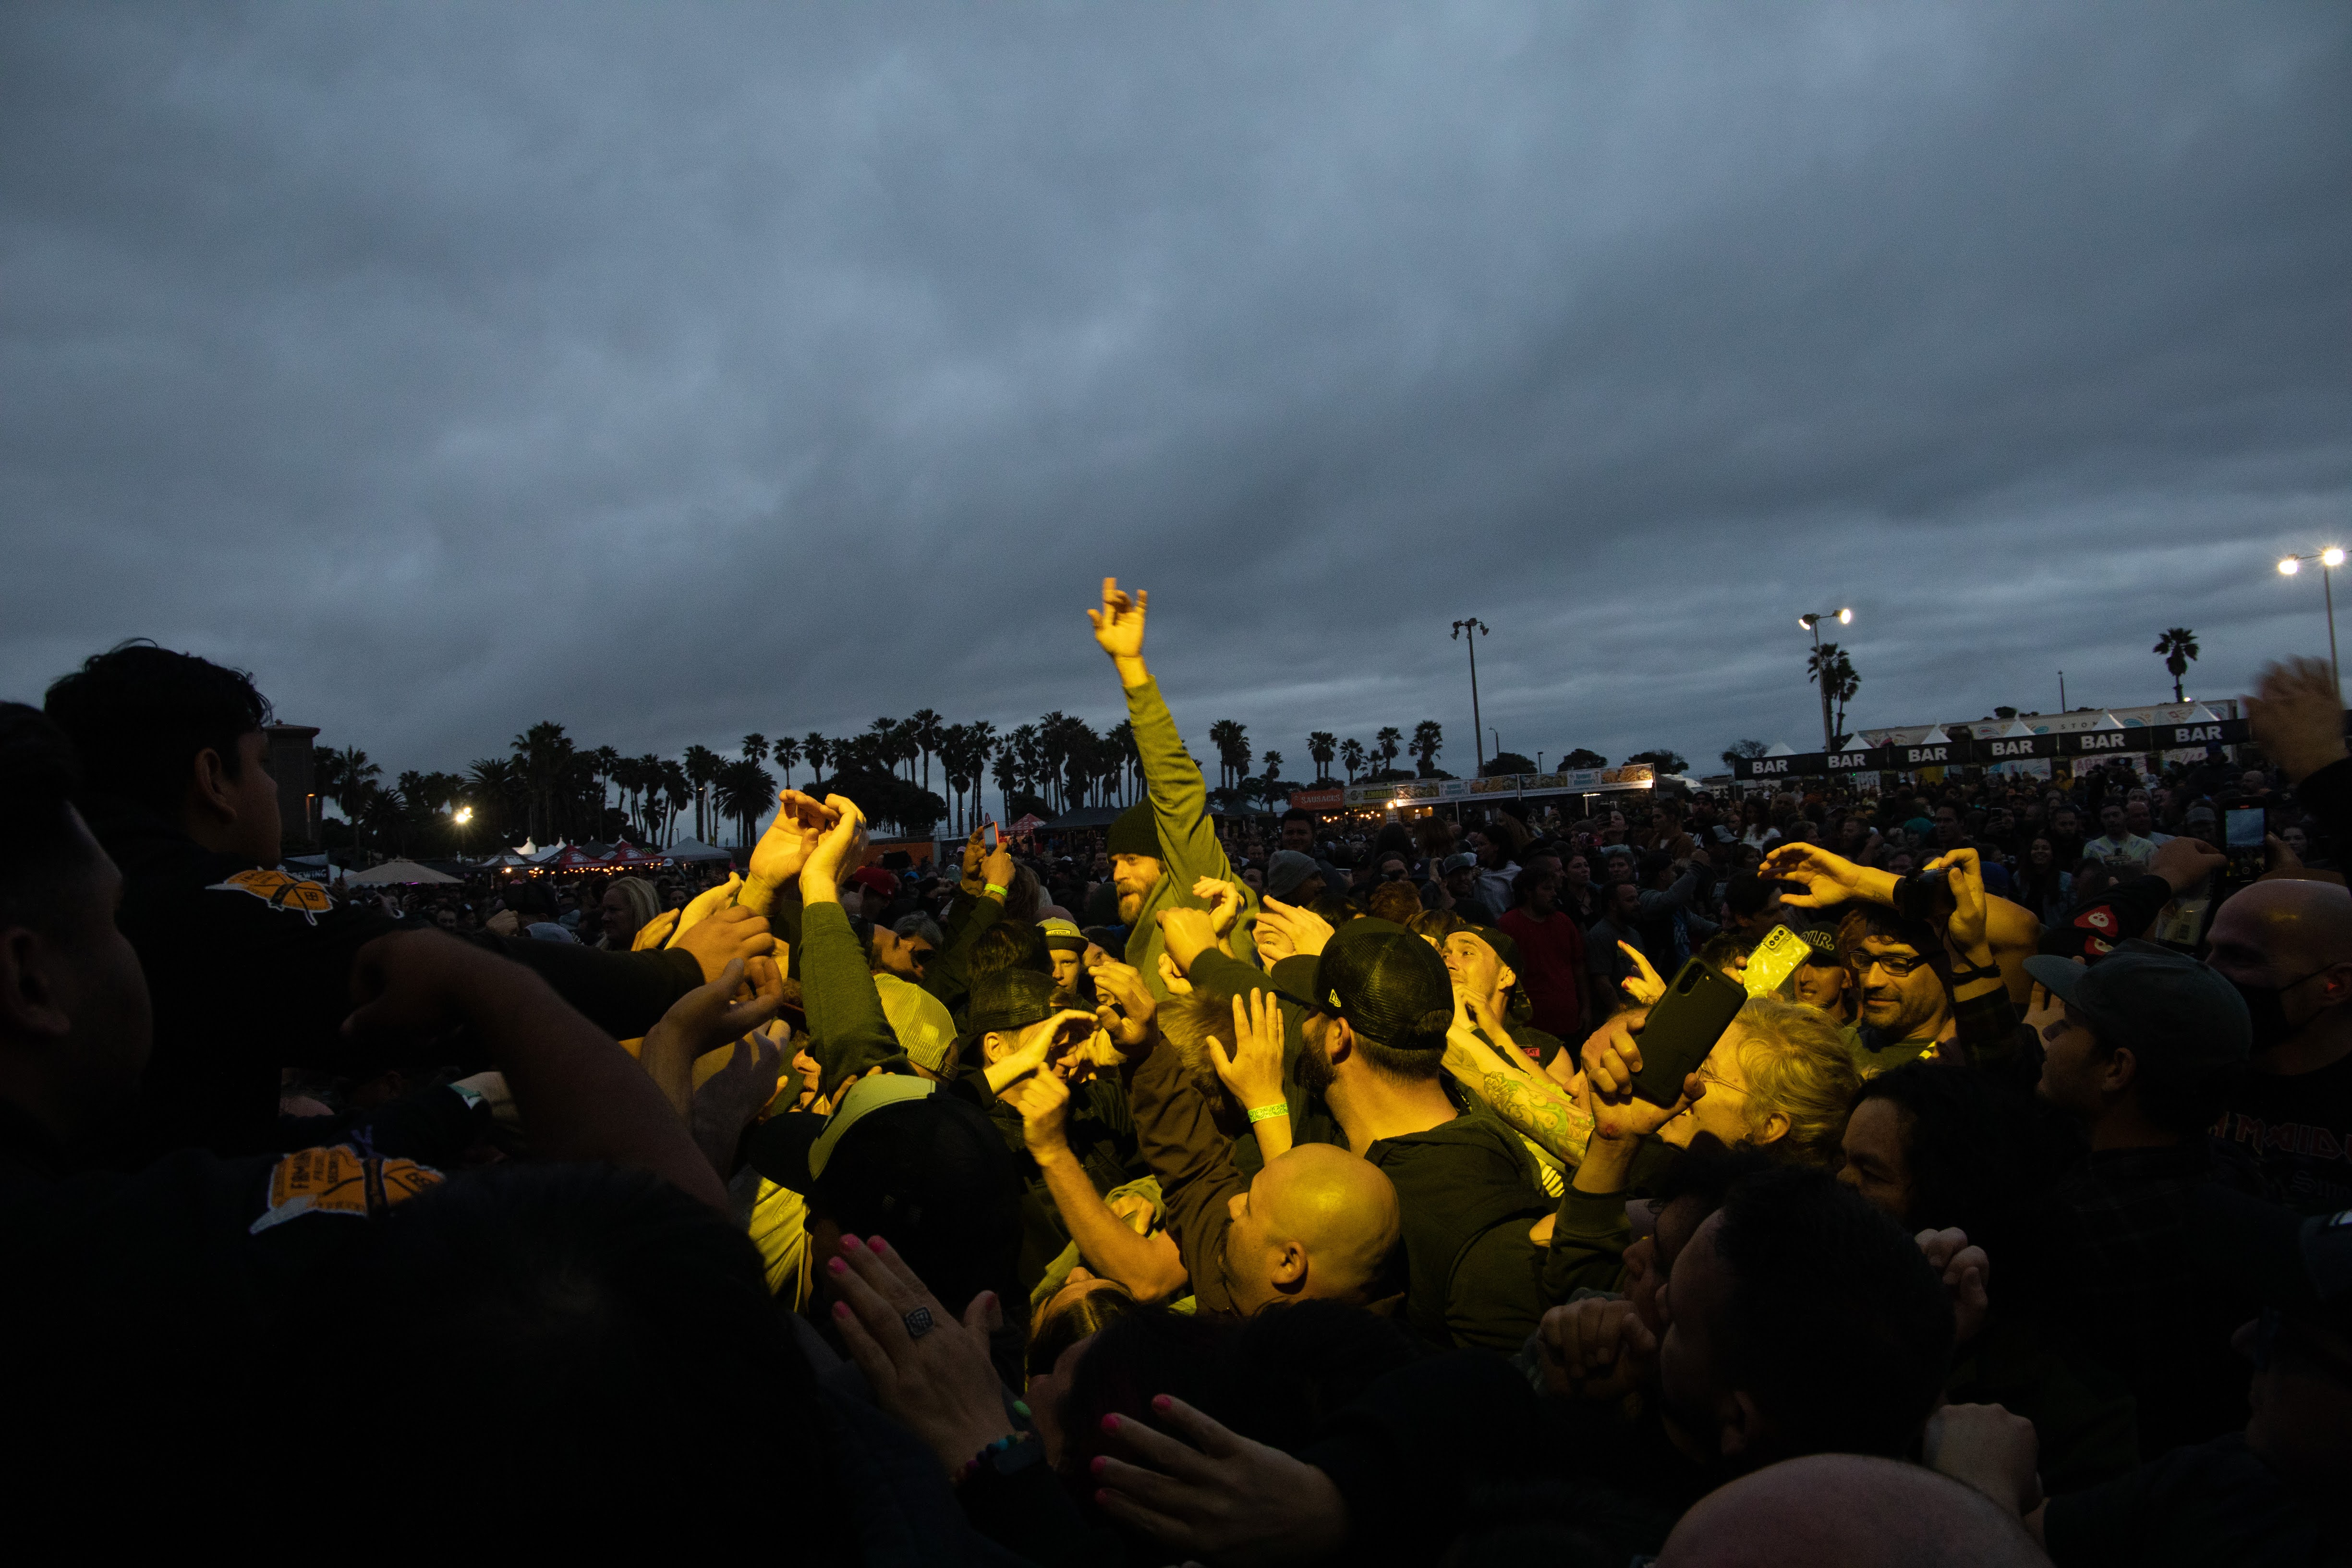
(2299, 1127)
(2212, 1503)
(173, 1308)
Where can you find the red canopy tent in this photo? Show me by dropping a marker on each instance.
(1027, 824)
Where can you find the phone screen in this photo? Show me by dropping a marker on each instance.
(2244, 829)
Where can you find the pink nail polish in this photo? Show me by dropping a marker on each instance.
(1163, 1404)
(841, 1309)
(836, 1265)
(878, 1244)
(1098, 1464)
(850, 1244)
(1111, 1424)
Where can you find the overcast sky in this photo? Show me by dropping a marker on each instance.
(674, 372)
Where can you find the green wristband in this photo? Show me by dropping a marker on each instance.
(993, 890)
(1268, 1112)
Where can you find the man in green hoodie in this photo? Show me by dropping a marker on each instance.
(1160, 849)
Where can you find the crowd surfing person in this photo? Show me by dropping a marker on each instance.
(1194, 1196)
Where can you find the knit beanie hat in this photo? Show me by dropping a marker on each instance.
(1286, 870)
(1136, 832)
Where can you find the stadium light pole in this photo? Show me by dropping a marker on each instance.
(2328, 558)
(1812, 621)
(1477, 628)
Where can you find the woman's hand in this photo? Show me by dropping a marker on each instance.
(1827, 879)
(1224, 901)
(1643, 987)
(926, 1369)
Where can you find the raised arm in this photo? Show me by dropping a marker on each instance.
(581, 1096)
(1149, 1266)
(847, 1031)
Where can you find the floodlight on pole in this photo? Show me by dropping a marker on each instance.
(2329, 558)
(1812, 621)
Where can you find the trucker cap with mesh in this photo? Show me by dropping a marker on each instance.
(1388, 984)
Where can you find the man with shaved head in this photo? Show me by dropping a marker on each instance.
(2287, 948)
(1850, 1509)
(1315, 1223)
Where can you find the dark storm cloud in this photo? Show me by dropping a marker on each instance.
(679, 371)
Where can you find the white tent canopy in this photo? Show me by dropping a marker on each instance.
(691, 849)
(398, 871)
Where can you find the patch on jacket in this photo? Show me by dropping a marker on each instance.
(340, 1179)
(280, 891)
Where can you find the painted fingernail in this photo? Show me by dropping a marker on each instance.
(1111, 1424)
(878, 1244)
(841, 1309)
(1097, 1465)
(836, 1265)
(851, 1244)
(1163, 1404)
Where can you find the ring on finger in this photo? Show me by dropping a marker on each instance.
(918, 1322)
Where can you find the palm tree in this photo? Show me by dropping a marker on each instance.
(927, 729)
(355, 779)
(543, 756)
(1008, 772)
(1428, 739)
(1844, 684)
(968, 765)
(1352, 756)
(744, 790)
(1322, 747)
(1386, 744)
(701, 766)
(492, 785)
(680, 791)
(1121, 737)
(1273, 761)
(816, 749)
(785, 752)
(604, 759)
(755, 748)
(1232, 742)
(2179, 645)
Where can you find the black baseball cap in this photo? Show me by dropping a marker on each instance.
(2156, 1002)
(1387, 983)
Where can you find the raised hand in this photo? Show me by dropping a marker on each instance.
(926, 1368)
(1224, 901)
(704, 1020)
(1302, 929)
(1119, 625)
(1613, 1055)
(838, 852)
(1251, 1069)
(1044, 1101)
(799, 823)
(1965, 927)
(1185, 936)
(1125, 1006)
(728, 936)
(1643, 987)
(1209, 1493)
(996, 867)
(2297, 718)
(1826, 879)
(730, 1098)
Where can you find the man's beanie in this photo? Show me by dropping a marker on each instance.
(1136, 832)
(1007, 1001)
(1286, 870)
(1388, 984)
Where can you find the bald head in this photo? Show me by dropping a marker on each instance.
(2299, 925)
(1850, 1509)
(1318, 1221)
(1340, 1207)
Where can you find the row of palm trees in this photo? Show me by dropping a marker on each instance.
(548, 787)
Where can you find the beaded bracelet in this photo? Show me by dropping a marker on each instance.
(1268, 1112)
(999, 1454)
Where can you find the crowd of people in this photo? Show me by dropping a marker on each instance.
(1203, 1192)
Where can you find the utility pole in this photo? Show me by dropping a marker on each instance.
(1478, 629)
